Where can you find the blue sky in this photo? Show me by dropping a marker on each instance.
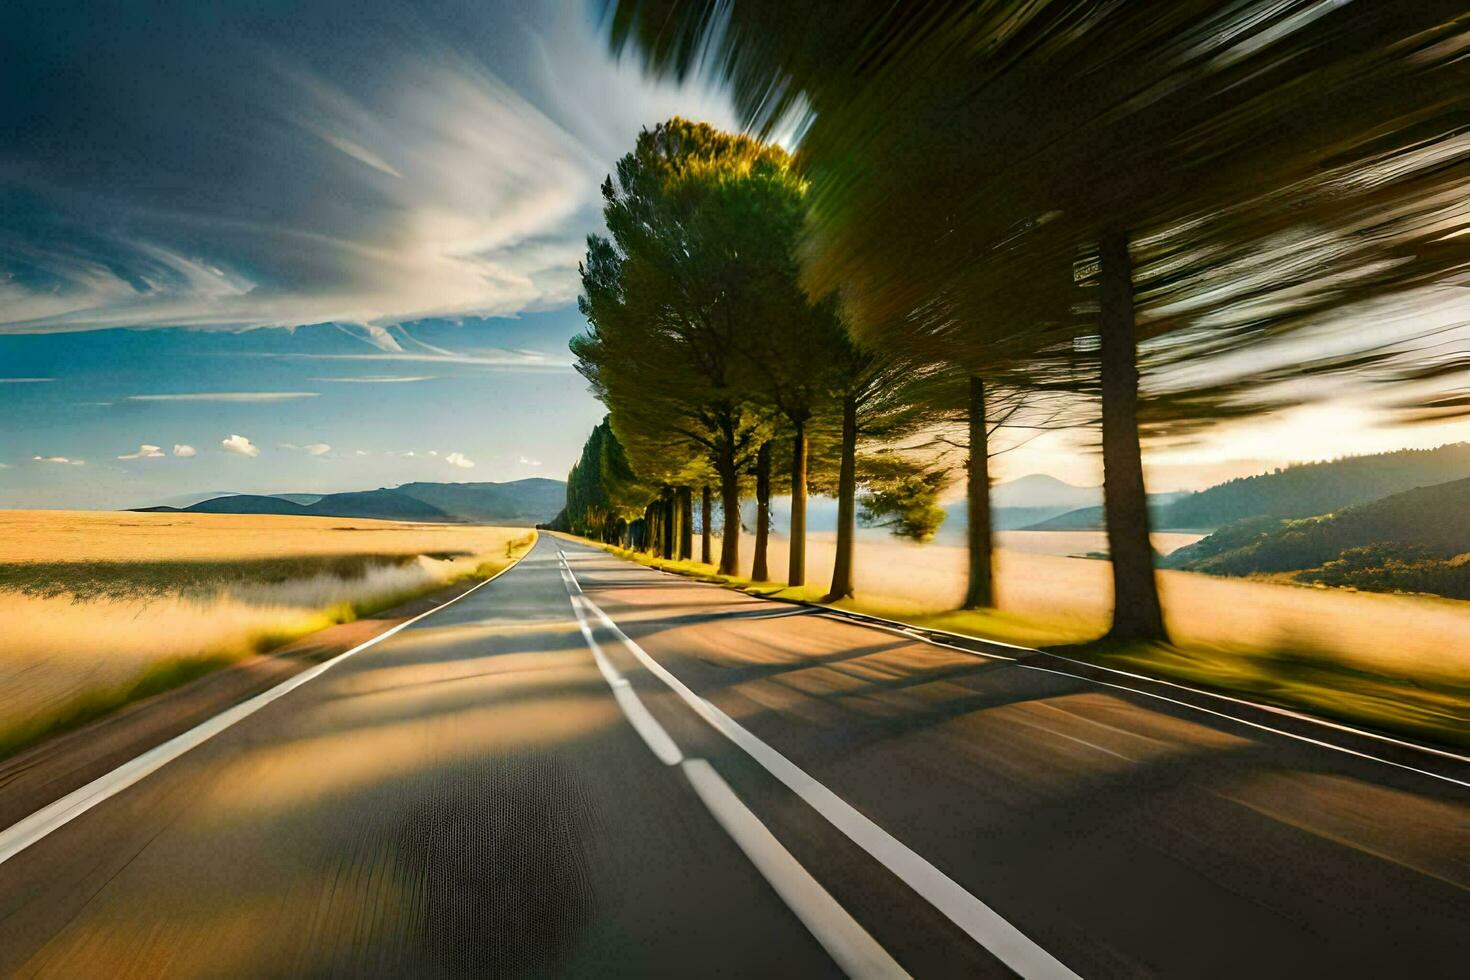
(322, 410)
(183, 186)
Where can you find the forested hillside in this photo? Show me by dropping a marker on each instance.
(1310, 489)
(1416, 541)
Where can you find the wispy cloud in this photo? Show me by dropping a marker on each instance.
(59, 459)
(494, 358)
(460, 460)
(226, 396)
(184, 451)
(145, 451)
(311, 449)
(240, 446)
(527, 461)
(378, 379)
(24, 381)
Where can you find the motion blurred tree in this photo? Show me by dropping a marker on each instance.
(1223, 172)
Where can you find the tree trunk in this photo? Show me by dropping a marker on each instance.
(730, 505)
(1137, 614)
(796, 567)
(666, 521)
(759, 570)
(706, 507)
(981, 589)
(846, 505)
(686, 524)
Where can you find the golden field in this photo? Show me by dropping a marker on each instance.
(98, 608)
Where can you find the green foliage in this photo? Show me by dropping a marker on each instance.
(603, 492)
(700, 223)
(1395, 568)
(902, 497)
(1308, 489)
(1403, 542)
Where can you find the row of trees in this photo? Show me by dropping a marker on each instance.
(722, 376)
(1034, 196)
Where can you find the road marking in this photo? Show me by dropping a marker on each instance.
(893, 626)
(851, 947)
(977, 919)
(44, 821)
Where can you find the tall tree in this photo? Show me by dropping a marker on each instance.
(1174, 143)
(670, 297)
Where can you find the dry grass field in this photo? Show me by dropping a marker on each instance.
(100, 608)
(1397, 662)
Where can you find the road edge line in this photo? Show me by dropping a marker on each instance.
(918, 633)
(976, 919)
(57, 814)
(834, 928)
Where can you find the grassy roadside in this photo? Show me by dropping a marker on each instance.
(1295, 674)
(155, 580)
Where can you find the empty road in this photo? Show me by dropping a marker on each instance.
(590, 768)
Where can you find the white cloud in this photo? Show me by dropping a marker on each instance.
(240, 446)
(227, 396)
(378, 379)
(460, 460)
(311, 449)
(182, 450)
(526, 461)
(362, 452)
(59, 459)
(433, 452)
(145, 451)
(409, 453)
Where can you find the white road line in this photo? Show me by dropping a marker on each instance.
(851, 947)
(893, 626)
(854, 951)
(973, 916)
(28, 831)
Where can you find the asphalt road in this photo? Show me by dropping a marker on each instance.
(717, 785)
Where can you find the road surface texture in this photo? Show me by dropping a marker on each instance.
(590, 768)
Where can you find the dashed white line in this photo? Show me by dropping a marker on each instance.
(851, 947)
(978, 920)
(893, 626)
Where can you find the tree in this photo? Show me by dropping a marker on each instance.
(603, 493)
(671, 297)
(1187, 149)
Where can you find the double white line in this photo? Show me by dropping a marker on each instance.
(848, 943)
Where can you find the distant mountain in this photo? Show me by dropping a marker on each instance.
(1091, 518)
(518, 503)
(387, 505)
(1309, 489)
(1041, 491)
(1427, 524)
(530, 501)
(237, 503)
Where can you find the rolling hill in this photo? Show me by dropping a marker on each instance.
(517, 503)
(1417, 536)
(1309, 489)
